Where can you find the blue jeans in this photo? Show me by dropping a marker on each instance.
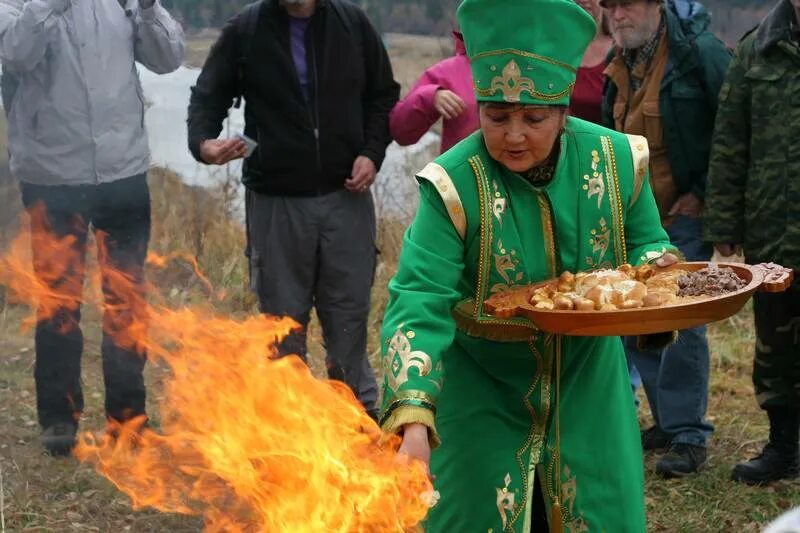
(676, 378)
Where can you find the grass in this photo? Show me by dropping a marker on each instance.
(43, 494)
(709, 501)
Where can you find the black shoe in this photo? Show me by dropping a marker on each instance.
(771, 465)
(655, 439)
(59, 439)
(780, 458)
(681, 460)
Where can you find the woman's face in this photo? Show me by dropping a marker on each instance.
(592, 7)
(521, 136)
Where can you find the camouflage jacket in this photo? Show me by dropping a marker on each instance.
(753, 191)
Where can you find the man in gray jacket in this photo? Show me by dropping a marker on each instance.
(78, 147)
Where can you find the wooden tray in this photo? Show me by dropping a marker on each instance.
(676, 316)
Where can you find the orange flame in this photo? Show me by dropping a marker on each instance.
(249, 442)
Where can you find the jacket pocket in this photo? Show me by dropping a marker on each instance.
(768, 87)
(653, 124)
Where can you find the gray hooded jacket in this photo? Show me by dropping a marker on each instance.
(77, 113)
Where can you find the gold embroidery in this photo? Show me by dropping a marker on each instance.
(549, 235)
(486, 233)
(499, 203)
(440, 179)
(615, 199)
(505, 263)
(523, 53)
(595, 184)
(536, 437)
(573, 522)
(512, 83)
(403, 397)
(569, 492)
(400, 359)
(600, 241)
(505, 501)
(641, 162)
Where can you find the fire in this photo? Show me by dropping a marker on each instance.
(249, 442)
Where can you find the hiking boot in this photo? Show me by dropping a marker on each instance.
(655, 439)
(780, 458)
(59, 439)
(770, 465)
(681, 459)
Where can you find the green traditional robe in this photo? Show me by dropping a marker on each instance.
(487, 388)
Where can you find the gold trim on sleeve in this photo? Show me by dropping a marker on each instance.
(438, 176)
(412, 415)
(640, 151)
(615, 198)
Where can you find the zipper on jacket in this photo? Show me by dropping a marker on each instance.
(313, 114)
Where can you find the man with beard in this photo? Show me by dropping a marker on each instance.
(664, 78)
(318, 88)
(752, 204)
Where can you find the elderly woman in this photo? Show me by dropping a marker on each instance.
(526, 427)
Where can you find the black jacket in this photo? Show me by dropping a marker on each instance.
(304, 148)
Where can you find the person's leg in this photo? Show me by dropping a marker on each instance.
(121, 221)
(682, 389)
(539, 521)
(647, 366)
(776, 377)
(58, 240)
(284, 239)
(644, 367)
(346, 271)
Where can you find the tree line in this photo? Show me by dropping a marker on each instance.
(437, 17)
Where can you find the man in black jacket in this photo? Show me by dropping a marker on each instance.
(318, 87)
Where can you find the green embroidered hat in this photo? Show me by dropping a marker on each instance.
(525, 51)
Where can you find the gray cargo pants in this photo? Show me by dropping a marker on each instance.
(318, 251)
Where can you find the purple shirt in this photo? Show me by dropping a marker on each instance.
(297, 34)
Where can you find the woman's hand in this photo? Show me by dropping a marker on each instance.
(666, 260)
(416, 444)
(448, 104)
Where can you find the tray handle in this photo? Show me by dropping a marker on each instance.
(776, 277)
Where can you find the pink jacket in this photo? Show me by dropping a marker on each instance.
(415, 114)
